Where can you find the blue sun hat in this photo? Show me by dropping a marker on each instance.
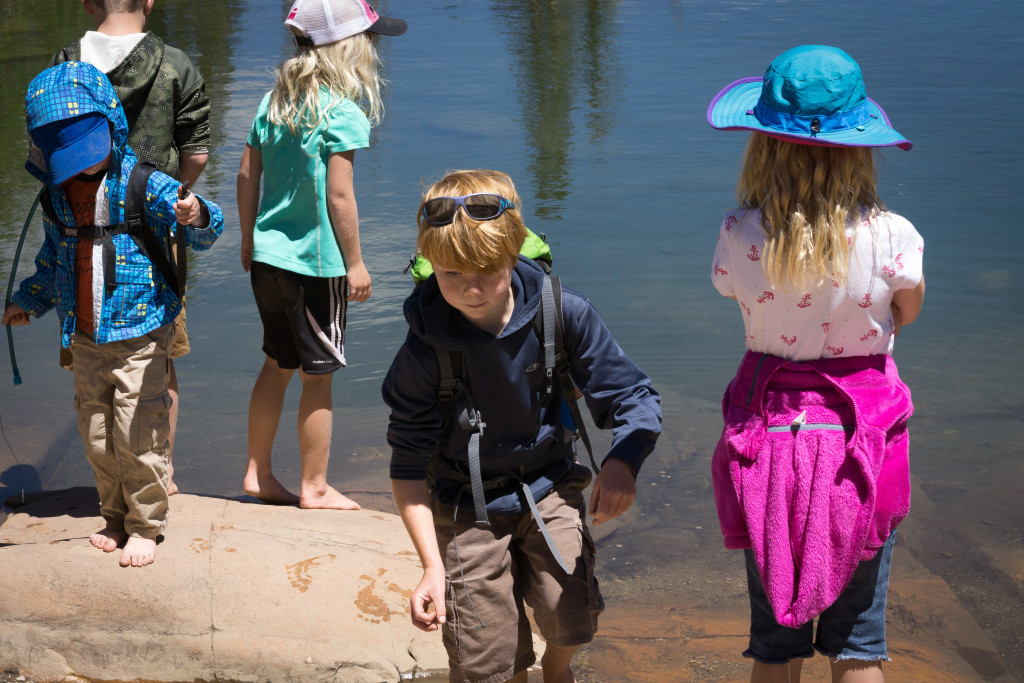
(70, 146)
(810, 95)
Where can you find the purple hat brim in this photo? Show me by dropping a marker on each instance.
(733, 109)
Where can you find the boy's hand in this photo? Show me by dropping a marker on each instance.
(614, 491)
(16, 315)
(358, 282)
(187, 208)
(430, 591)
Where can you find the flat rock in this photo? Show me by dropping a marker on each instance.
(239, 592)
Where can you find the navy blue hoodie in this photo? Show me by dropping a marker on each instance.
(505, 376)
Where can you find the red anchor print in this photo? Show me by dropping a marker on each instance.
(745, 308)
(836, 350)
(825, 326)
(805, 302)
(719, 270)
(899, 260)
(753, 255)
(767, 296)
(835, 284)
(789, 342)
(889, 270)
(729, 222)
(867, 301)
(869, 335)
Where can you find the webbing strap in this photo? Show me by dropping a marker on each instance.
(448, 383)
(135, 225)
(548, 324)
(476, 481)
(562, 370)
(544, 529)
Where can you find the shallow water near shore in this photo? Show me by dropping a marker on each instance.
(596, 109)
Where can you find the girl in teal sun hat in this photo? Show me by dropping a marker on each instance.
(811, 474)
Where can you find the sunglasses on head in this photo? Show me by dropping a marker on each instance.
(479, 206)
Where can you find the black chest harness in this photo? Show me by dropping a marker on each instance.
(456, 402)
(135, 226)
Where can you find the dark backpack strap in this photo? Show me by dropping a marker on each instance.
(145, 239)
(562, 367)
(453, 397)
(46, 201)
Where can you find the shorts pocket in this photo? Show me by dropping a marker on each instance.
(152, 425)
(589, 553)
(450, 634)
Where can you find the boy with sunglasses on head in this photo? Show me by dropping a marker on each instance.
(483, 469)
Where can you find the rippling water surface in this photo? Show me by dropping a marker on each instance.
(596, 109)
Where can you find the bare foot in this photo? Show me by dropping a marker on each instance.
(138, 552)
(328, 499)
(172, 488)
(270, 491)
(108, 540)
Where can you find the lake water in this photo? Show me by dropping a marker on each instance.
(596, 110)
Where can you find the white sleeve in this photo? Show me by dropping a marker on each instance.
(720, 276)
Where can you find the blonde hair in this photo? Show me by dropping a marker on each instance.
(465, 244)
(806, 194)
(349, 68)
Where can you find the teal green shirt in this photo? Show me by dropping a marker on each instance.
(293, 228)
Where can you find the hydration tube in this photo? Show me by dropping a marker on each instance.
(10, 283)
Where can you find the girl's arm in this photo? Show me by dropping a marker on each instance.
(341, 205)
(413, 501)
(906, 304)
(248, 192)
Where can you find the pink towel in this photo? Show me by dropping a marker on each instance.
(808, 498)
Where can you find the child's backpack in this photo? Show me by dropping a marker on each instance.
(535, 247)
(135, 226)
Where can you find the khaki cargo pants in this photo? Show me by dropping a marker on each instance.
(123, 418)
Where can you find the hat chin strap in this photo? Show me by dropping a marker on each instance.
(814, 124)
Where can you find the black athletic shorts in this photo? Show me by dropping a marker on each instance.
(303, 318)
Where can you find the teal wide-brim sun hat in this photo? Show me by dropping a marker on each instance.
(811, 95)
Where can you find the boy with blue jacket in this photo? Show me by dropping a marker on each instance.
(109, 279)
(483, 469)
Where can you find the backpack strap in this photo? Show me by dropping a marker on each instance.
(137, 228)
(558, 367)
(145, 239)
(452, 394)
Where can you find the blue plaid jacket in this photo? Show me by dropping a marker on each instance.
(135, 300)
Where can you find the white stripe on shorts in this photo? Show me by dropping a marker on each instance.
(333, 342)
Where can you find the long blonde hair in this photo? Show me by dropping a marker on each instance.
(469, 245)
(349, 68)
(806, 194)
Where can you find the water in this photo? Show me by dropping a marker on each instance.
(596, 109)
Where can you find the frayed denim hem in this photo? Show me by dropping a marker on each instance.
(863, 657)
(750, 655)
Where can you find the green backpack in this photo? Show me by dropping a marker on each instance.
(535, 246)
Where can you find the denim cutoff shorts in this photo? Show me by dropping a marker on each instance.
(853, 627)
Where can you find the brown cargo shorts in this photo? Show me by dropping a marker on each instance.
(491, 572)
